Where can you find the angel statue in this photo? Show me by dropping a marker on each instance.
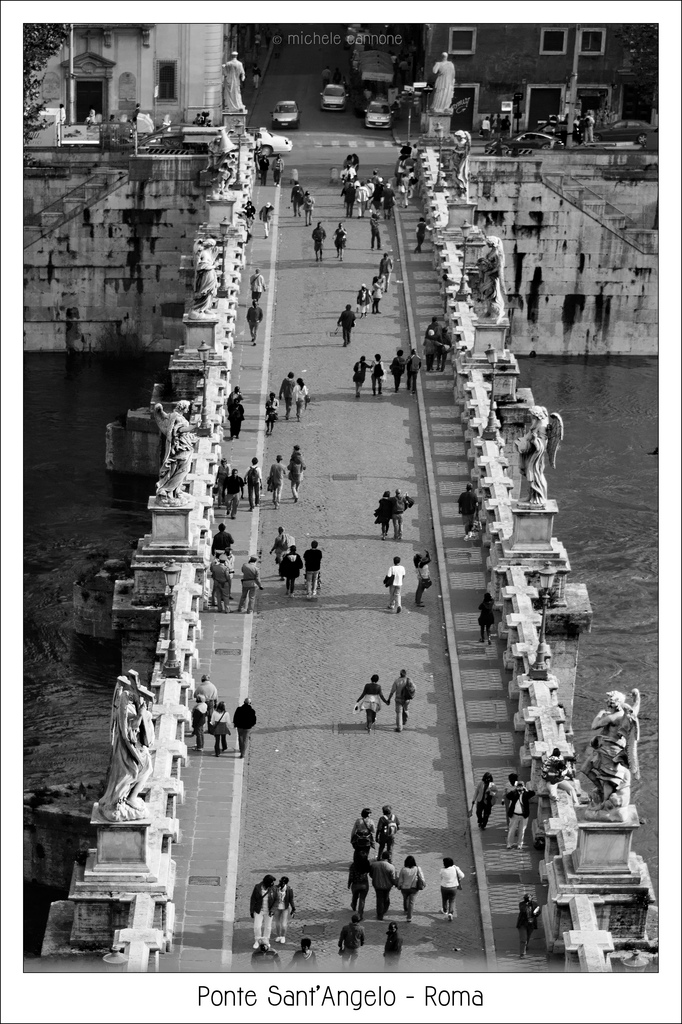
(205, 280)
(460, 168)
(132, 734)
(490, 295)
(544, 437)
(177, 457)
(611, 759)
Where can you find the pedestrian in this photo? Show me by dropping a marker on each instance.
(375, 233)
(392, 948)
(431, 342)
(319, 235)
(397, 368)
(468, 506)
(290, 569)
(413, 366)
(410, 882)
(526, 922)
(402, 192)
(304, 959)
(256, 77)
(286, 391)
(445, 347)
(254, 318)
(235, 490)
(281, 906)
(368, 701)
(421, 233)
(258, 910)
(222, 540)
(484, 800)
(313, 561)
(378, 193)
(384, 876)
(199, 716)
(395, 577)
(412, 184)
(250, 580)
(362, 833)
(276, 480)
(296, 469)
(336, 77)
(265, 215)
(346, 322)
(378, 373)
(271, 415)
(244, 721)
(208, 692)
(485, 127)
(487, 617)
(424, 581)
(377, 292)
(508, 793)
(388, 201)
(348, 193)
(363, 300)
(326, 76)
(386, 269)
(234, 396)
(358, 882)
(263, 167)
(519, 811)
(222, 580)
(300, 397)
(265, 959)
(450, 881)
(249, 212)
(404, 690)
(308, 205)
(280, 547)
(258, 286)
(220, 727)
(352, 937)
(254, 482)
(297, 197)
(277, 169)
(384, 513)
(235, 419)
(220, 480)
(387, 829)
(588, 121)
(340, 238)
(401, 502)
(362, 198)
(359, 373)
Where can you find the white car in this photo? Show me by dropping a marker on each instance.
(333, 98)
(270, 143)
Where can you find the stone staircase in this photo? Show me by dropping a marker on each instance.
(95, 188)
(580, 195)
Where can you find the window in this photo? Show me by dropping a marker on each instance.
(166, 79)
(553, 40)
(592, 41)
(462, 39)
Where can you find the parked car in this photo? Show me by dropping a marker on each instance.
(527, 142)
(286, 115)
(333, 98)
(625, 131)
(269, 143)
(378, 115)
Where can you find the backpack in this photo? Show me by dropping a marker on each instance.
(362, 839)
(378, 370)
(252, 473)
(389, 828)
(409, 690)
(308, 203)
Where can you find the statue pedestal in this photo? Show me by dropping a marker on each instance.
(171, 526)
(221, 209)
(235, 121)
(489, 335)
(199, 331)
(429, 122)
(604, 847)
(533, 527)
(122, 847)
(460, 212)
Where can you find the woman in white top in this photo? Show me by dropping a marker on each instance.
(421, 565)
(300, 397)
(410, 882)
(450, 881)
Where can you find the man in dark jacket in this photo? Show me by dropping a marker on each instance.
(286, 391)
(313, 560)
(468, 506)
(254, 318)
(258, 909)
(222, 540)
(348, 193)
(297, 199)
(244, 720)
(518, 810)
(351, 938)
(383, 875)
(359, 371)
(526, 922)
(347, 322)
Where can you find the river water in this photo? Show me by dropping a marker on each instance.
(76, 515)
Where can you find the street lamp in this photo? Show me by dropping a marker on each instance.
(439, 187)
(171, 571)
(492, 426)
(224, 228)
(463, 292)
(203, 355)
(543, 655)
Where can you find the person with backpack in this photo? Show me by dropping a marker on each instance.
(265, 215)
(319, 235)
(290, 568)
(387, 828)
(340, 238)
(297, 197)
(296, 469)
(368, 701)
(359, 373)
(308, 204)
(378, 373)
(362, 833)
(254, 481)
(404, 691)
(484, 800)
(424, 581)
(413, 367)
(397, 368)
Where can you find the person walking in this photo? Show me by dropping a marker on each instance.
(300, 397)
(484, 800)
(254, 318)
(485, 127)
(424, 581)
(444, 349)
(276, 480)
(358, 882)
(222, 540)
(244, 721)
(313, 561)
(250, 580)
(362, 833)
(235, 419)
(348, 193)
(346, 322)
(487, 617)
(235, 490)
(378, 374)
(319, 235)
(281, 907)
(220, 727)
(421, 233)
(397, 368)
(258, 910)
(375, 233)
(392, 948)
(404, 691)
(413, 367)
(359, 373)
(450, 881)
(384, 513)
(290, 568)
(384, 876)
(363, 300)
(401, 502)
(271, 414)
(385, 270)
(431, 342)
(388, 201)
(222, 580)
(308, 207)
(588, 123)
(387, 829)
(265, 960)
(254, 482)
(280, 547)
(258, 286)
(221, 478)
(352, 937)
(296, 469)
(304, 959)
(234, 396)
(396, 575)
(526, 922)
(378, 193)
(286, 391)
(199, 716)
(468, 507)
(377, 292)
(263, 168)
(410, 882)
(519, 811)
(368, 701)
(297, 197)
(340, 238)
(362, 198)
(208, 692)
(277, 169)
(326, 76)
(256, 73)
(508, 793)
(265, 215)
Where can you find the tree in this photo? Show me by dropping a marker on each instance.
(640, 43)
(41, 42)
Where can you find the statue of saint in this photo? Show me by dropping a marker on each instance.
(180, 442)
(490, 294)
(132, 734)
(460, 168)
(441, 100)
(543, 437)
(233, 76)
(611, 759)
(205, 280)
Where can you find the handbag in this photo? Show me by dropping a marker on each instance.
(427, 583)
(421, 884)
(220, 727)
(211, 728)
(388, 580)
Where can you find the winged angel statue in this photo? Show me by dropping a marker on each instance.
(543, 438)
(177, 459)
(132, 734)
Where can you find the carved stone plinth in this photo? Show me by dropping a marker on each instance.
(460, 213)
(430, 122)
(199, 331)
(221, 209)
(122, 847)
(171, 525)
(604, 847)
(489, 335)
(533, 527)
(235, 121)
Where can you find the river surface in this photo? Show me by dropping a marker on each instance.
(76, 515)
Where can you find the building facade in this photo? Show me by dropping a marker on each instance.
(494, 62)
